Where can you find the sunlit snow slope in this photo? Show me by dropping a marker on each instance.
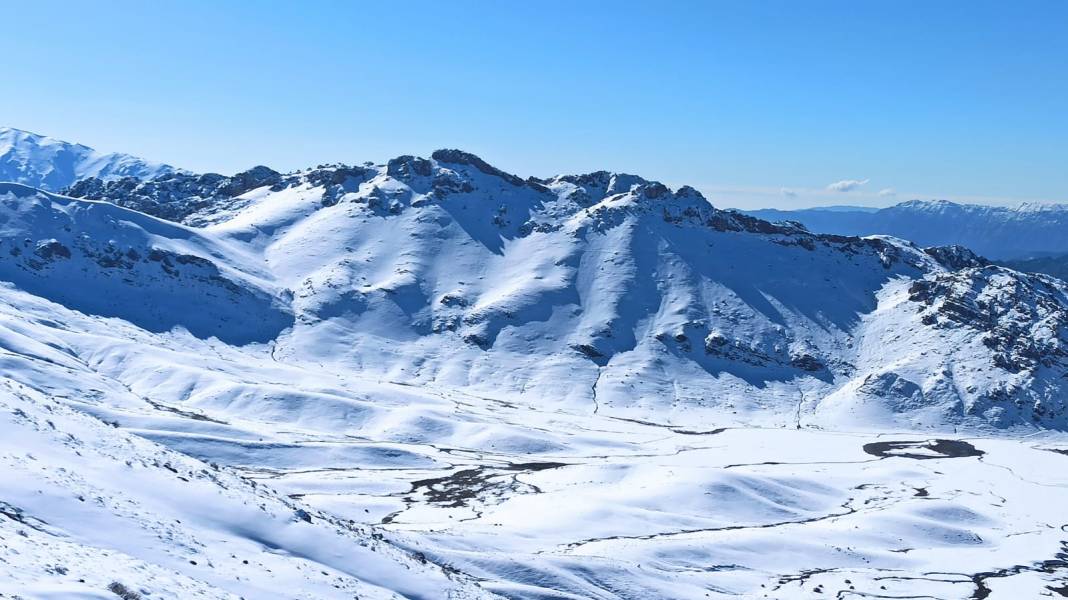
(609, 292)
(587, 386)
(52, 164)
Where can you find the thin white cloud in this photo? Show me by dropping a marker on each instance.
(887, 192)
(847, 185)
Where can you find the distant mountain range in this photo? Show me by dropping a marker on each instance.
(1000, 233)
(50, 164)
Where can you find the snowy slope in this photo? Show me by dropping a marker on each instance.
(99, 258)
(587, 386)
(52, 164)
(532, 501)
(599, 291)
(992, 231)
(593, 292)
(85, 506)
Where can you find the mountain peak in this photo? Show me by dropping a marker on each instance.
(48, 163)
(459, 157)
(929, 205)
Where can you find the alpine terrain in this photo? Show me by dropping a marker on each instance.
(430, 378)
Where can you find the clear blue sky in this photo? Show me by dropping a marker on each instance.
(756, 103)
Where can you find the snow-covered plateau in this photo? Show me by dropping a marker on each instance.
(433, 379)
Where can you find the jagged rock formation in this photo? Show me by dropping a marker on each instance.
(1021, 319)
(176, 196)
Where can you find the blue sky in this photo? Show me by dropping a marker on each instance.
(756, 103)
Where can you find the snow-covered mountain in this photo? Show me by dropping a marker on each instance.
(992, 231)
(610, 289)
(585, 386)
(52, 164)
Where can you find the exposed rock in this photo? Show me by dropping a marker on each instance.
(196, 199)
(955, 257)
(50, 249)
(407, 167)
(1022, 318)
(459, 157)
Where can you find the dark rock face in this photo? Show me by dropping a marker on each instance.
(1023, 317)
(405, 168)
(588, 350)
(955, 257)
(334, 175)
(459, 157)
(336, 181)
(176, 196)
(249, 180)
(446, 183)
(807, 362)
(51, 249)
(729, 220)
(193, 199)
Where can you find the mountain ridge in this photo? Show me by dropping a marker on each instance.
(609, 274)
(524, 251)
(51, 164)
(1000, 233)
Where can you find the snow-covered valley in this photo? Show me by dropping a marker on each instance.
(433, 379)
(524, 502)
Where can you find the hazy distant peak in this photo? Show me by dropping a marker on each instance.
(48, 163)
(996, 232)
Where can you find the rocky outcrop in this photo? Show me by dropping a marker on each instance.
(1023, 318)
(175, 196)
(955, 257)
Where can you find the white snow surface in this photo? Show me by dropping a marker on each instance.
(51, 164)
(441, 381)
